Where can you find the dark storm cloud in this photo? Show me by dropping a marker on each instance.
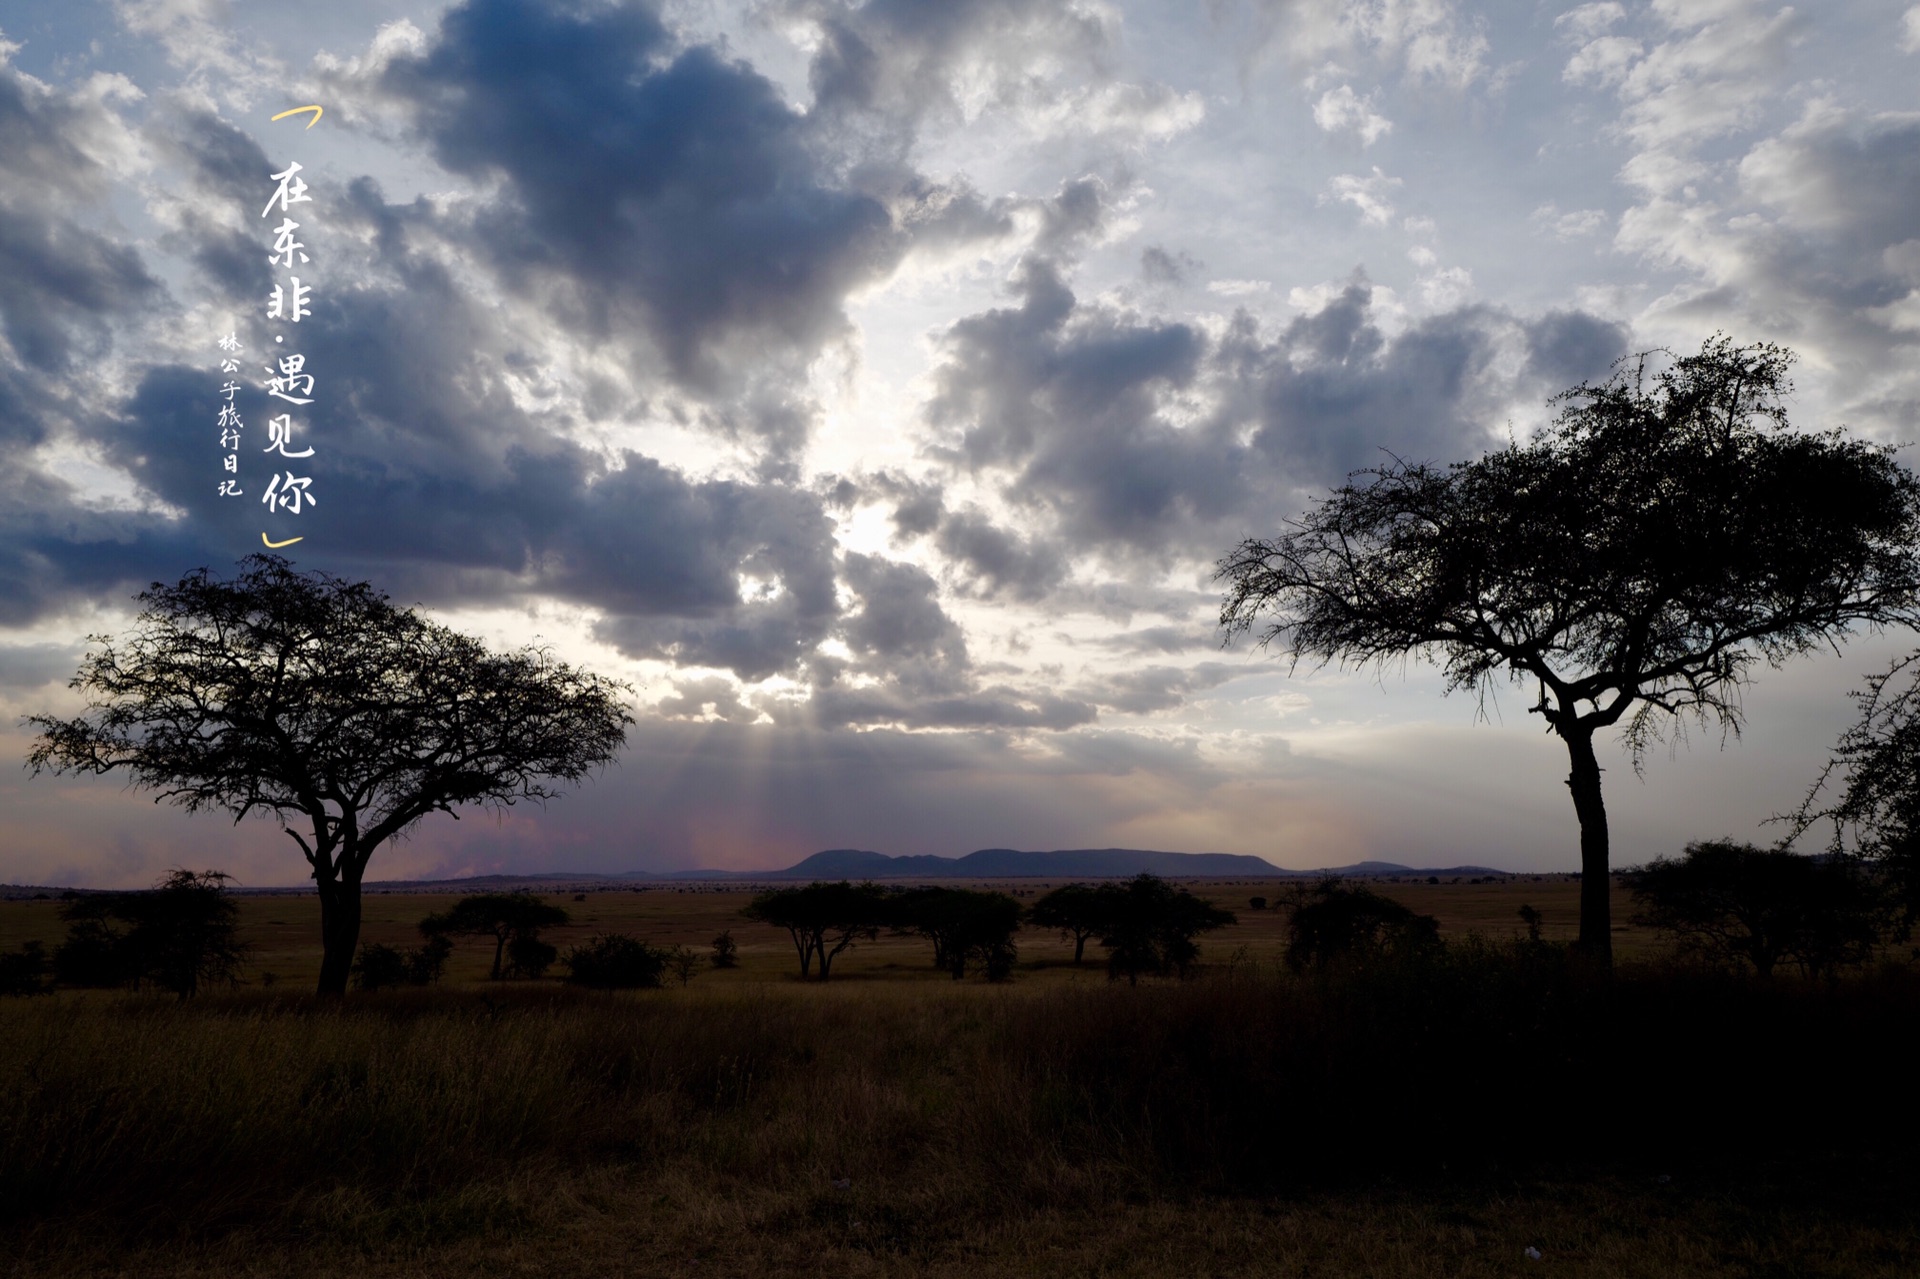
(1162, 639)
(1157, 266)
(34, 665)
(910, 665)
(994, 560)
(901, 628)
(644, 185)
(61, 284)
(1144, 438)
(65, 288)
(225, 168)
(1069, 400)
(1146, 689)
(1566, 348)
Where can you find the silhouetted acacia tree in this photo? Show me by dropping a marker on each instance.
(964, 925)
(1876, 771)
(1151, 925)
(726, 951)
(179, 935)
(1735, 902)
(513, 920)
(315, 700)
(1333, 922)
(1077, 910)
(1633, 561)
(823, 919)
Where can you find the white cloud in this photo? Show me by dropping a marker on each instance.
(1589, 20)
(1571, 225)
(1342, 110)
(1910, 30)
(1367, 194)
(1603, 62)
(1239, 288)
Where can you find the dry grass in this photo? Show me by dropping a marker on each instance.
(1437, 1120)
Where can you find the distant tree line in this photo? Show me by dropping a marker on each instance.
(1146, 924)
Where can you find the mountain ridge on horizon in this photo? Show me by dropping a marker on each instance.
(1004, 863)
(984, 863)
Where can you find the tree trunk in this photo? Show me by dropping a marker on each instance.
(1596, 903)
(339, 930)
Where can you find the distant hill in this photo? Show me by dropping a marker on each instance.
(1067, 863)
(986, 863)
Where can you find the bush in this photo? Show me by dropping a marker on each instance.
(616, 962)
(726, 952)
(1734, 903)
(179, 935)
(1149, 926)
(24, 971)
(529, 957)
(1337, 923)
(381, 967)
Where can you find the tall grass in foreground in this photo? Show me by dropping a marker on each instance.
(283, 1113)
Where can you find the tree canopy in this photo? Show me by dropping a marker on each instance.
(823, 919)
(1728, 901)
(317, 701)
(1633, 562)
(513, 920)
(1875, 771)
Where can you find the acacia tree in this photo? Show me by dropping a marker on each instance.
(823, 919)
(316, 701)
(1633, 561)
(513, 920)
(1077, 910)
(1875, 770)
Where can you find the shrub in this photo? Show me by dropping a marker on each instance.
(1734, 903)
(381, 967)
(529, 957)
(726, 953)
(615, 961)
(1335, 923)
(24, 971)
(178, 935)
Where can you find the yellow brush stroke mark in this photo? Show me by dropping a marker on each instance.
(297, 110)
(274, 546)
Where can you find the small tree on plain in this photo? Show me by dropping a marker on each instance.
(316, 701)
(1333, 923)
(823, 919)
(1633, 563)
(179, 935)
(683, 963)
(24, 971)
(1151, 926)
(1734, 903)
(615, 962)
(726, 951)
(965, 925)
(513, 920)
(1076, 910)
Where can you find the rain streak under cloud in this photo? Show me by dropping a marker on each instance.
(875, 385)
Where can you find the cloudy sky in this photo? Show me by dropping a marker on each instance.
(875, 385)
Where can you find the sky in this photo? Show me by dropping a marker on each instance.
(875, 386)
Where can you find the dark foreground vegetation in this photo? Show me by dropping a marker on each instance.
(908, 1126)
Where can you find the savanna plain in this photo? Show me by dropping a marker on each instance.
(1490, 1109)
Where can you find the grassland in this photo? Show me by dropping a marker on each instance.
(893, 1122)
(284, 930)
